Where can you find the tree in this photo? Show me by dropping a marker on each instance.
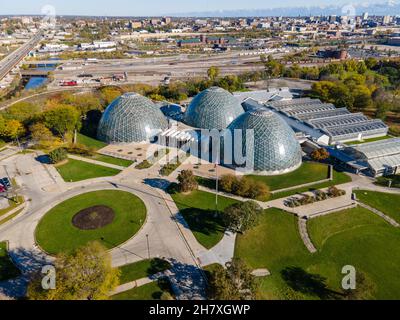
(273, 68)
(226, 182)
(12, 129)
(320, 154)
(58, 155)
(23, 111)
(187, 181)
(62, 119)
(109, 94)
(85, 274)
(233, 283)
(242, 216)
(213, 73)
(40, 132)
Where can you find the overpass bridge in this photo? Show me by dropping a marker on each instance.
(12, 60)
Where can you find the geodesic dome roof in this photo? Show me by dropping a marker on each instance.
(274, 149)
(131, 118)
(213, 108)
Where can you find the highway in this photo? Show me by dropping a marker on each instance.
(9, 62)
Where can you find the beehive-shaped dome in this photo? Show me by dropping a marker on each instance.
(213, 108)
(131, 118)
(268, 142)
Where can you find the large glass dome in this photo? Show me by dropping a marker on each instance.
(131, 118)
(274, 149)
(213, 108)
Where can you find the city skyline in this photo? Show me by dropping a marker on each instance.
(158, 7)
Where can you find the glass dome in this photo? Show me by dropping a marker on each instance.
(131, 118)
(213, 108)
(274, 149)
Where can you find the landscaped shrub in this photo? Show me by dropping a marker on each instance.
(244, 187)
(80, 150)
(144, 165)
(58, 155)
(187, 181)
(334, 192)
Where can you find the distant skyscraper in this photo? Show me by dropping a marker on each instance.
(365, 16)
(387, 19)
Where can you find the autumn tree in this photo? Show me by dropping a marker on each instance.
(240, 217)
(85, 274)
(320, 154)
(233, 283)
(187, 181)
(213, 73)
(11, 129)
(62, 119)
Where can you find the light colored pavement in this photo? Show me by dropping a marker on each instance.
(305, 236)
(165, 233)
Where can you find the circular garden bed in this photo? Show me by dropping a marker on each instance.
(109, 216)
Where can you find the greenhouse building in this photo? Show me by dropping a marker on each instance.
(131, 118)
(213, 108)
(268, 143)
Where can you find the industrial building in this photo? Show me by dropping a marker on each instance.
(379, 158)
(325, 123)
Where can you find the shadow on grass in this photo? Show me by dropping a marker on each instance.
(207, 222)
(307, 283)
(14, 282)
(157, 265)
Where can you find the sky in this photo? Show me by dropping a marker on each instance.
(148, 8)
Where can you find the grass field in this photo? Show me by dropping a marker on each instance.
(198, 208)
(369, 140)
(12, 206)
(385, 202)
(384, 181)
(97, 145)
(75, 170)
(7, 269)
(90, 142)
(55, 232)
(151, 291)
(353, 237)
(308, 172)
(142, 269)
(338, 178)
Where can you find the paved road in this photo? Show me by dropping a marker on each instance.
(9, 62)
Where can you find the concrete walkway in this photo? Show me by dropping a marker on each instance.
(137, 283)
(305, 236)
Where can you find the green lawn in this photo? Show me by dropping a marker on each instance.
(307, 173)
(12, 206)
(353, 237)
(90, 142)
(142, 269)
(55, 232)
(338, 178)
(384, 181)
(198, 209)
(7, 268)
(385, 202)
(369, 140)
(112, 160)
(75, 170)
(151, 291)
